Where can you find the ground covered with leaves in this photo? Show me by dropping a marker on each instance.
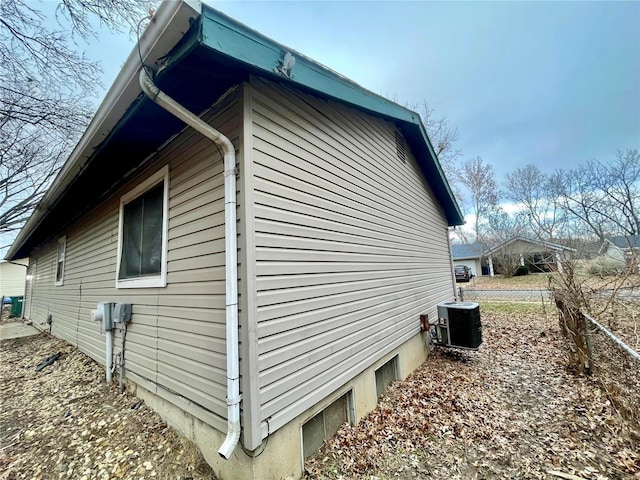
(510, 410)
(64, 422)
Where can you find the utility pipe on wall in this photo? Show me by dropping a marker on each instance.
(109, 353)
(231, 252)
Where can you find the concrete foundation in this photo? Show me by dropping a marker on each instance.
(280, 456)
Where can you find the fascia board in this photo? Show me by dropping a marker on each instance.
(241, 43)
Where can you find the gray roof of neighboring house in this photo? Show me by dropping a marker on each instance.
(545, 245)
(470, 250)
(625, 241)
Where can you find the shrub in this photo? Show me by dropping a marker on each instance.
(522, 270)
(605, 266)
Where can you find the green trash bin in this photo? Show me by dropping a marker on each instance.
(16, 306)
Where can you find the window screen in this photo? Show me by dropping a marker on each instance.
(142, 235)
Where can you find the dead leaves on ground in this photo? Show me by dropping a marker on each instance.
(64, 422)
(510, 410)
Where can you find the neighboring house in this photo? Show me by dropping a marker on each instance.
(13, 277)
(469, 255)
(342, 217)
(537, 255)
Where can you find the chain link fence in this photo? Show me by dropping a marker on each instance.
(470, 294)
(617, 366)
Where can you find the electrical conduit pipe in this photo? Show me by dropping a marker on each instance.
(231, 252)
(108, 353)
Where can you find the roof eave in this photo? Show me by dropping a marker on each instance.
(548, 245)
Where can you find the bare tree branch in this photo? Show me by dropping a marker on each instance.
(531, 188)
(604, 196)
(479, 178)
(46, 91)
(443, 138)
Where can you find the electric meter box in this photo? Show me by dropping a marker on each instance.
(104, 315)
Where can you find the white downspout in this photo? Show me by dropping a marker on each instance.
(231, 252)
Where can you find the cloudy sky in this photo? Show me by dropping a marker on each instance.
(548, 83)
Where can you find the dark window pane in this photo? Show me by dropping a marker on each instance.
(59, 272)
(142, 235)
(60, 260)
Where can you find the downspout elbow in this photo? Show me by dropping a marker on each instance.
(231, 440)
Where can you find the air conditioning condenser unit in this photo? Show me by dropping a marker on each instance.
(458, 325)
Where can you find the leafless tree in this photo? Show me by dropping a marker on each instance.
(443, 139)
(46, 91)
(499, 228)
(531, 188)
(603, 196)
(479, 179)
(619, 182)
(29, 158)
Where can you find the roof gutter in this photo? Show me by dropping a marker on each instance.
(157, 40)
(231, 252)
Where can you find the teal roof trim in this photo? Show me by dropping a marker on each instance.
(233, 39)
(239, 43)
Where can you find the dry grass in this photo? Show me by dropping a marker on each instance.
(537, 281)
(534, 281)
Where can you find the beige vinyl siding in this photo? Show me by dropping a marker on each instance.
(12, 278)
(175, 342)
(350, 244)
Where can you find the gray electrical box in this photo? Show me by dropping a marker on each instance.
(122, 312)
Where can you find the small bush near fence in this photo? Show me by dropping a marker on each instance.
(600, 325)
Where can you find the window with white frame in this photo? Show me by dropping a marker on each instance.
(62, 247)
(142, 239)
